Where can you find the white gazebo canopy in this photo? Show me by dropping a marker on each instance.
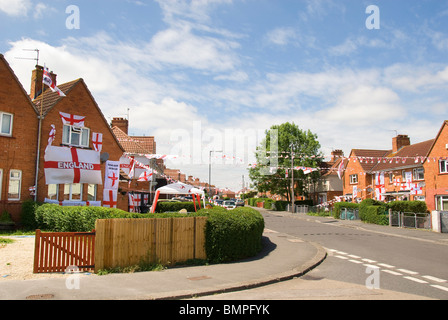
(178, 188)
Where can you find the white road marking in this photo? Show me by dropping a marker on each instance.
(408, 271)
(385, 265)
(439, 287)
(415, 279)
(393, 272)
(434, 279)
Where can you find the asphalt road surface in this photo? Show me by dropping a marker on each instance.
(359, 262)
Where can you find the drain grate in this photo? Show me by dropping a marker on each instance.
(45, 296)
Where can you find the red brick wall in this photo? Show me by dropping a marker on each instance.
(436, 182)
(18, 151)
(80, 102)
(364, 180)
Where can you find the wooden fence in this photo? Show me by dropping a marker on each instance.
(127, 242)
(56, 251)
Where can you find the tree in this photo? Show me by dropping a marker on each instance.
(290, 141)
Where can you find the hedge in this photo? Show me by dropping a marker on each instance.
(408, 206)
(165, 206)
(338, 206)
(232, 235)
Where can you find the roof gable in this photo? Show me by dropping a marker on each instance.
(19, 84)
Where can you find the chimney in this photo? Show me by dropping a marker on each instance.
(37, 77)
(336, 154)
(399, 142)
(121, 123)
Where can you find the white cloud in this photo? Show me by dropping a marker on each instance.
(282, 36)
(15, 7)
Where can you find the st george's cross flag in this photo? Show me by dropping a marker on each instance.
(97, 141)
(49, 82)
(112, 175)
(71, 165)
(110, 198)
(73, 120)
(146, 176)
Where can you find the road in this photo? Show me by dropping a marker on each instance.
(359, 261)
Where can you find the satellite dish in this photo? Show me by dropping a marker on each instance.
(104, 157)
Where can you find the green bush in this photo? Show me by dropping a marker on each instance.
(268, 204)
(28, 215)
(408, 206)
(230, 234)
(175, 206)
(281, 205)
(373, 211)
(233, 235)
(338, 206)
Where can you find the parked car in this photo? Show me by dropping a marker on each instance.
(218, 203)
(228, 204)
(239, 203)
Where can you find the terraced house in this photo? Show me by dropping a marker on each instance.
(29, 122)
(405, 172)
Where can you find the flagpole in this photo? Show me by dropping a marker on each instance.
(39, 138)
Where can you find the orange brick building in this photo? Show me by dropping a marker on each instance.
(436, 172)
(22, 175)
(406, 172)
(18, 139)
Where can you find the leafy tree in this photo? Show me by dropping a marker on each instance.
(291, 141)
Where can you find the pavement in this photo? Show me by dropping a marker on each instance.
(283, 258)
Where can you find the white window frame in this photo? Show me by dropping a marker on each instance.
(416, 174)
(19, 180)
(8, 134)
(354, 179)
(443, 166)
(93, 187)
(439, 202)
(67, 136)
(57, 192)
(70, 192)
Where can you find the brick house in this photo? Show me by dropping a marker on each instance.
(358, 178)
(136, 147)
(78, 101)
(22, 174)
(329, 186)
(406, 172)
(18, 138)
(436, 171)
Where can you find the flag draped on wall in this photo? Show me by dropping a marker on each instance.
(70, 165)
(112, 175)
(97, 141)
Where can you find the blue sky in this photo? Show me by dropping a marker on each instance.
(207, 74)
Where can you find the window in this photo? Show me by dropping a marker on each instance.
(443, 165)
(53, 191)
(5, 124)
(91, 192)
(354, 179)
(442, 203)
(74, 136)
(15, 182)
(418, 174)
(73, 192)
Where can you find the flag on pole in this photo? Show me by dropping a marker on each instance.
(51, 135)
(49, 82)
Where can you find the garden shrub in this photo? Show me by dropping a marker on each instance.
(338, 206)
(166, 206)
(233, 234)
(373, 211)
(408, 206)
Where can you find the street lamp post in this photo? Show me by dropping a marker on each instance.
(210, 172)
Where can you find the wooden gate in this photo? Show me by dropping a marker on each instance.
(56, 251)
